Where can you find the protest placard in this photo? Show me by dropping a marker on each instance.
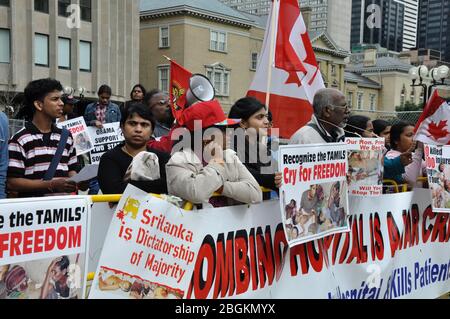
(156, 253)
(82, 139)
(365, 166)
(43, 246)
(438, 172)
(313, 197)
(105, 139)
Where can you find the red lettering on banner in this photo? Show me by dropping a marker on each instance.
(224, 267)
(337, 240)
(242, 262)
(266, 265)
(372, 237)
(378, 236)
(359, 250)
(39, 241)
(346, 246)
(253, 266)
(300, 251)
(280, 250)
(206, 253)
(426, 231)
(440, 228)
(315, 256)
(415, 218)
(394, 234)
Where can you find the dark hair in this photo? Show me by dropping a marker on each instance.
(139, 109)
(269, 116)
(379, 126)
(63, 263)
(244, 108)
(144, 91)
(396, 131)
(356, 124)
(104, 89)
(148, 96)
(37, 91)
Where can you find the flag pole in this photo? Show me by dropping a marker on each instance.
(165, 56)
(272, 49)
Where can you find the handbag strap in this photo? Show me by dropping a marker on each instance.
(57, 157)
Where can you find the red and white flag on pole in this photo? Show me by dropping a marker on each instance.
(433, 126)
(294, 77)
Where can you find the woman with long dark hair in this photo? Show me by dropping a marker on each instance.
(249, 141)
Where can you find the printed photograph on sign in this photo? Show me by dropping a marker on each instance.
(133, 287)
(365, 166)
(82, 139)
(319, 210)
(314, 194)
(57, 278)
(438, 171)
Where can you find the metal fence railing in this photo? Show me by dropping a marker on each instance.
(15, 126)
(391, 117)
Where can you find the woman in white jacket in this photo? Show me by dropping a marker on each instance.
(205, 166)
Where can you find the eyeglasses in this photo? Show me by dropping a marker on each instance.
(346, 107)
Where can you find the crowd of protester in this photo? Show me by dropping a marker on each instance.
(211, 159)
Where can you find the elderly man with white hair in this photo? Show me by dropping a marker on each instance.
(331, 113)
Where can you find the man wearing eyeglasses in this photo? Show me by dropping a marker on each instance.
(331, 114)
(159, 105)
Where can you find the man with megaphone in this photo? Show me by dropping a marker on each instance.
(168, 114)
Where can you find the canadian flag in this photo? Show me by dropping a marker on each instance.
(295, 75)
(433, 126)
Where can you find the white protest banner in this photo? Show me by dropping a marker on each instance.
(313, 197)
(365, 166)
(156, 252)
(438, 171)
(105, 139)
(43, 246)
(397, 248)
(80, 134)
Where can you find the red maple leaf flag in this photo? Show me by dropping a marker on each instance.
(433, 127)
(179, 85)
(295, 75)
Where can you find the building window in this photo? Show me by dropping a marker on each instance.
(254, 62)
(218, 41)
(333, 70)
(64, 55)
(85, 56)
(41, 49)
(350, 99)
(164, 39)
(360, 101)
(41, 6)
(220, 78)
(163, 78)
(373, 102)
(4, 3)
(62, 7)
(403, 96)
(86, 9)
(5, 46)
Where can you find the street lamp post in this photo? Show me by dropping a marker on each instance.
(438, 76)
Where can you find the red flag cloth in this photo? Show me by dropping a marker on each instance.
(433, 126)
(295, 77)
(179, 85)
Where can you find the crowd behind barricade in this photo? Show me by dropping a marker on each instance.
(206, 158)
